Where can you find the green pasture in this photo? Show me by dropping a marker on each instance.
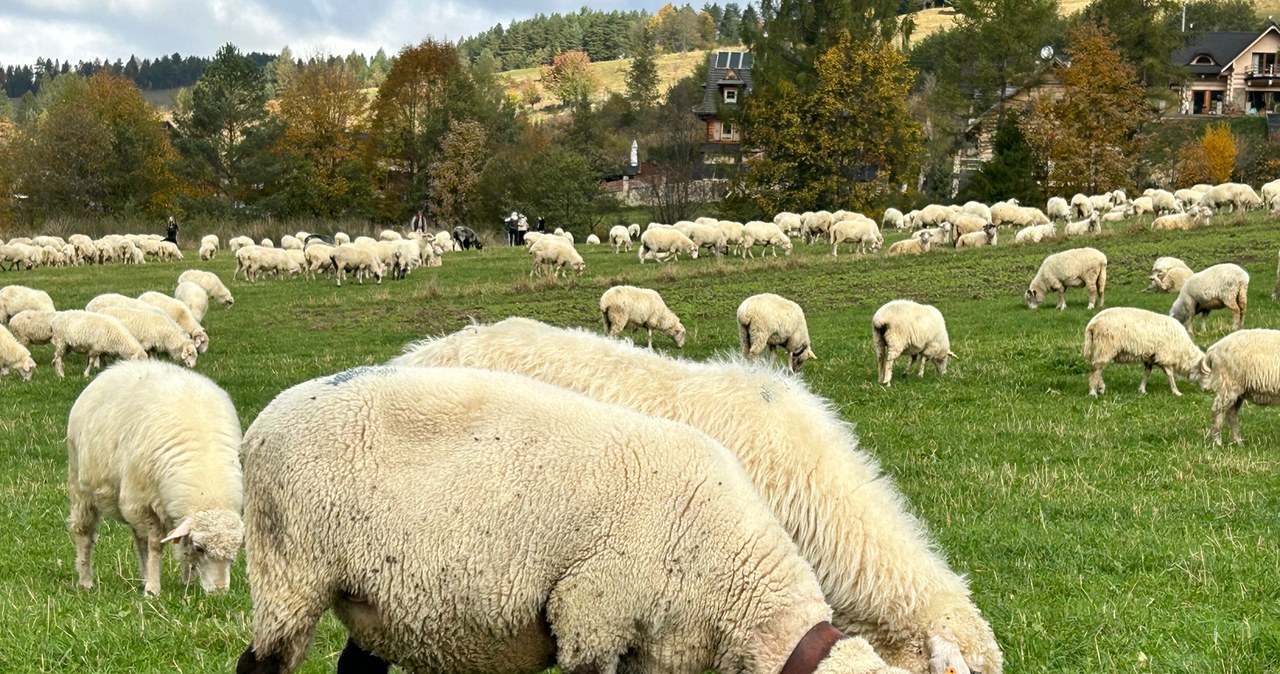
(1099, 535)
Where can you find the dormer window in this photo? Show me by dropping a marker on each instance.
(1202, 60)
(730, 94)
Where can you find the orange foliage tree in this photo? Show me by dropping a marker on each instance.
(1219, 146)
(569, 78)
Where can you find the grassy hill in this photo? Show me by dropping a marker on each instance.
(612, 76)
(929, 21)
(1098, 535)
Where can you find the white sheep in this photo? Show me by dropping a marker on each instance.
(360, 260)
(632, 308)
(906, 328)
(663, 243)
(340, 238)
(912, 246)
(1216, 287)
(1090, 225)
(791, 224)
(1196, 216)
(634, 230)
(669, 562)
(14, 355)
(1129, 335)
(893, 219)
(733, 233)
(93, 334)
(178, 311)
(156, 332)
(266, 243)
(290, 242)
(881, 573)
(1270, 191)
(555, 255)
(769, 321)
(195, 297)
(1069, 269)
(1168, 274)
(593, 240)
(817, 224)
(1237, 196)
(939, 234)
(1036, 233)
(1188, 197)
(861, 232)
(168, 251)
(1018, 216)
(1058, 209)
(33, 326)
(932, 215)
(985, 237)
(706, 236)
(765, 234)
(208, 251)
(211, 284)
(1141, 206)
(965, 223)
(618, 238)
(384, 235)
(1243, 366)
(237, 242)
(977, 208)
(706, 220)
(254, 260)
(158, 447)
(1163, 202)
(1082, 206)
(20, 298)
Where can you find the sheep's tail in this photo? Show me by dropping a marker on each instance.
(1088, 344)
(744, 337)
(879, 337)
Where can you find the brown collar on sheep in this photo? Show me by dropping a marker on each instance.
(812, 649)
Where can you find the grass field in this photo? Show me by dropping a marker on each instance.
(1099, 535)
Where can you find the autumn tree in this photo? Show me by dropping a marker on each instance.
(569, 78)
(1087, 136)
(1144, 33)
(456, 174)
(996, 45)
(1219, 145)
(1013, 171)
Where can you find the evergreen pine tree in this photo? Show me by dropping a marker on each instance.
(1013, 172)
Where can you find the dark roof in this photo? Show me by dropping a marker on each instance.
(724, 68)
(1222, 47)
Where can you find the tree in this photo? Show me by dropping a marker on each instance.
(642, 77)
(996, 46)
(729, 30)
(1219, 145)
(280, 70)
(1013, 171)
(1087, 137)
(668, 178)
(796, 32)
(1145, 35)
(456, 174)
(569, 78)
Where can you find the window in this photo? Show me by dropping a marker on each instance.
(727, 131)
(1202, 60)
(731, 95)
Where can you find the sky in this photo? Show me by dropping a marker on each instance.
(76, 30)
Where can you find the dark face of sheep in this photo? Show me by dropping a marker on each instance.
(798, 358)
(1033, 298)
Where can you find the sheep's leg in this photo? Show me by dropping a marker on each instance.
(83, 523)
(356, 660)
(59, 350)
(1221, 403)
(886, 365)
(650, 331)
(1062, 299)
(1237, 311)
(1173, 384)
(1146, 373)
(1233, 419)
(93, 359)
(584, 642)
(923, 362)
(1096, 384)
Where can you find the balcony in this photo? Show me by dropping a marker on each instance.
(1269, 71)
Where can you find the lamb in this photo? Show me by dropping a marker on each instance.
(290, 242)
(1116, 215)
(634, 230)
(238, 242)
(1163, 202)
(769, 321)
(1068, 269)
(211, 284)
(941, 233)
(1058, 209)
(662, 243)
(1036, 233)
(903, 327)
(554, 253)
(629, 307)
(1081, 206)
(912, 246)
(1091, 225)
(877, 565)
(33, 326)
(985, 237)
(1128, 335)
(195, 297)
(135, 455)
(20, 298)
(156, 332)
(630, 575)
(1168, 274)
(93, 334)
(1243, 366)
(965, 223)
(618, 238)
(1222, 285)
(860, 231)
(892, 219)
(14, 355)
(359, 259)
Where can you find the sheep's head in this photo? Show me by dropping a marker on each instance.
(189, 354)
(679, 336)
(208, 541)
(201, 339)
(801, 355)
(27, 367)
(580, 266)
(1033, 298)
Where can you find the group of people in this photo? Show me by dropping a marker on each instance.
(517, 225)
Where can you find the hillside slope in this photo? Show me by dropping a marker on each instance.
(611, 74)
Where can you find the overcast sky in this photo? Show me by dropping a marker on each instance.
(75, 30)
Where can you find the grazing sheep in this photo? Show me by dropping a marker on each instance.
(1216, 287)
(1197, 216)
(706, 236)
(158, 447)
(195, 297)
(33, 326)
(554, 254)
(1058, 209)
(254, 260)
(818, 223)
(1018, 216)
(290, 242)
(791, 224)
(1163, 202)
(932, 215)
(618, 238)
(1270, 191)
(860, 231)
(1189, 197)
(14, 355)
(211, 284)
(238, 242)
(1069, 269)
(881, 573)
(733, 233)
(1236, 196)
(1091, 225)
(984, 237)
(359, 259)
(178, 311)
(208, 251)
(466, 238)
(977, 208)
(592, 240)
(912, 246)
(765, 234)
(20, 298)
(389, 235)
(1168, 274)
(965, 223)
(93, 334)
(663, 243)
(1128, 335)
(670, 562)
(1243, 366)
(634, 230)
(1141, 206)
(893, 219)
(1081, 206)
(1037, 233)
(629, 307)
(906, 328)
(156, 332)
(769, 321)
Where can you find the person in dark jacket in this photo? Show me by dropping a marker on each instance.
(171, 231)
(542, 224)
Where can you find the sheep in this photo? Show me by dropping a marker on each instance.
(791, 224)
(941, 233)
(618, 238)
(266, 243)
(1243, 366)
(1189, 197)
(965, 223)
(181, 314)
(1101, 202)
(903, 327)
(1081, 206)
(1036, 233)
(466, 238)
(985, 237)
(664, 243)
(289, 242)
(861, 232)
(1197, 216)
(358, 259)
(1163, 202)
(592, 240)
(765, 234)
(705, 220)
(1115, 215)
(168, 251)
(254, 260)
(1129, 335)
(769, 321)
(33, 326)
(554, 254)
(238, 242)
(1058, 209)
(613, 583)
(1070, 268)
(195, 297)
(20, 298)
(14, 355)
(93, 334)
(892, 219)
(1168, 274)
(634, 230)
(340, 238)
(733, 233)
(932, 215)
(912, 246)
(1090, 225)
(707, 236)
(818, 223)
(1141, 206)
(20, 254)
(389, 235)
(211, 284)
(1270, 191)
(879, 570)
(567, 236)
(156, 332)
(1237, 196)
(135, 454)
(629, 307)
(977, 208)
(1216, 287)
(208, 251)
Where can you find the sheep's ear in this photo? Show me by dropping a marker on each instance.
(183, 529)
(951, 354)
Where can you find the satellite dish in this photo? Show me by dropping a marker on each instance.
(1046, 52)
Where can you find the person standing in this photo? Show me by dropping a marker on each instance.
(542, 224)
(171, 231)
(418, 223)
(522, 227)
(510, 222)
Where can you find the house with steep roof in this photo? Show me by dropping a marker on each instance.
(1232, 72)
(728, 83)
